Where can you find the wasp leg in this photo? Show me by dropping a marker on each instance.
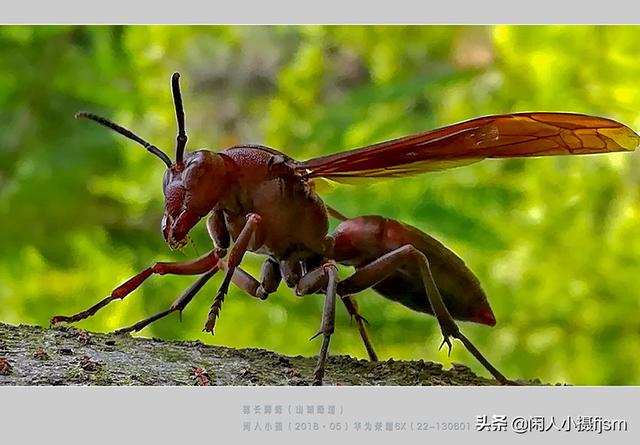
(270, 279)
(376, 271)
(326, 276)
(317, 279)
(235, 257)
(181, 302)
(270, 276)
(217, 229)
(247, 283)
(240, 278)
(352, 308)
(195, 267)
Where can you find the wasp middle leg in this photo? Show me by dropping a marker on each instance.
(324, 277)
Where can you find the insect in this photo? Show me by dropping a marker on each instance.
(265, 202)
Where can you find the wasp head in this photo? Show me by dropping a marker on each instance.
(192, 184)
(191, 189)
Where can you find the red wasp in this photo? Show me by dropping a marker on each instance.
(265, 202)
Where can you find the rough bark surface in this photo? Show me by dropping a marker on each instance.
(31, 355)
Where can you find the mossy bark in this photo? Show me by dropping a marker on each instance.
(31, 355)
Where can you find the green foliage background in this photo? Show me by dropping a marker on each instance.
(554, 241)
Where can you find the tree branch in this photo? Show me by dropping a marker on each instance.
(31, 355)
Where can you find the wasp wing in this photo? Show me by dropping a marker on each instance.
(499, 136)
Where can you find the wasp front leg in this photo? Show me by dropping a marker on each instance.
(235, 257)
(217, 229)
(205, 263)
(219, 235)
(242, 279)
(178, 306)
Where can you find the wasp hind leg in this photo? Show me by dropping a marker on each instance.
(376, 271)
(361, 322)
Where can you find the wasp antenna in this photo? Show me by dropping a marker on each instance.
(181, 140)
(126, 133)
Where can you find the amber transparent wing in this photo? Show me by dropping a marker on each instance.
(500, 136)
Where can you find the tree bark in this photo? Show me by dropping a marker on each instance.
(31, 355)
